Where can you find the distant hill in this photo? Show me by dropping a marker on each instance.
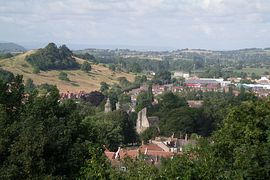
(11, 48)
(79, 80)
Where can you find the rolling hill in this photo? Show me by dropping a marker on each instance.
(11, 47)
(79, 80)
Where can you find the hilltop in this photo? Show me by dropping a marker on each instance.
(11, 47)
(79, 80)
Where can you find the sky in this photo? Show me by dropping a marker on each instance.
(137, 24)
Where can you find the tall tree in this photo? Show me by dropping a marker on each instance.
(86, 67)
(143, 100)
(243, 141)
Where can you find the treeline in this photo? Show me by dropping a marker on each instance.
(87, 57)
(5, 76)
(204, 63)
(133, 64)
(51, 58)
(5, 55)
(43, 138)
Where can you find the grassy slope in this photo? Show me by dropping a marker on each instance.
(257, 71)
(79, 80)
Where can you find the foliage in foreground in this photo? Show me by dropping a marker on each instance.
(41, 138)
(238, 150)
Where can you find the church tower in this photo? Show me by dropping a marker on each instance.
(108, 106)
(118, 106)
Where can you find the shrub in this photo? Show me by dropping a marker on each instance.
(63, 76)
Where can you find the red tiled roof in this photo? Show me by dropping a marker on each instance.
(110, 155)
(130, 153)
(152, 150)
(160, 153)
(149, 147)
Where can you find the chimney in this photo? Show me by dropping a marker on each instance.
(117, 156)
(145, 151)
(138, 153)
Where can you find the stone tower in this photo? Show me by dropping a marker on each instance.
(118, 106)
(142, 121)
(108, 106)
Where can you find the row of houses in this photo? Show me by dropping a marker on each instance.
(161, 147)
(150, 152)
(260, 87)
(204, 84)
(72, 95)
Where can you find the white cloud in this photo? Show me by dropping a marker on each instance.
(169, 22)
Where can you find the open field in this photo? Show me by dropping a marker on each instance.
(79, 80)
(257, 71)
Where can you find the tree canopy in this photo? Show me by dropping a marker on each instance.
(51, 57)
(86, 66)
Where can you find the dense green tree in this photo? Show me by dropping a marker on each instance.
(214, 111)
(180, 167)
(140, 79)
(112, 129)
(169, 101)
(95, 98)
(63, 76)
(87, 57)
(5, 55)
(36, 70)
(86, 66)
(214, 72)
(179, 121)
(5, 75)
(96, 167)
(143, 100)
(11, 97)
(139, 169)
(124, 98)
(243, 141)
(123, 82)
(29, 86)
(112, 67)
(51, 57)
(50, 142)
(162, 77)
(135, 67)
(40, 137)
(45, 88)
(149, 133)
(104, 86)
(63, 50)
(238, 150)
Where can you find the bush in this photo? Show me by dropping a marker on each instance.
(63, 76)
(149, 133)
(86, 67)
(36, 70)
